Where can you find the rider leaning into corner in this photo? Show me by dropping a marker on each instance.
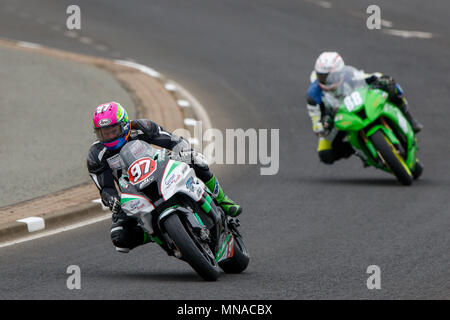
(113, 130)
(331, 146)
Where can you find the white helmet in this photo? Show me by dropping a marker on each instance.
(326, 63)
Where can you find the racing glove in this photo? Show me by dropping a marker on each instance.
(112, 202)
(327, 123)
(385, 83)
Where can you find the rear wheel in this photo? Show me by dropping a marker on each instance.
(418, 169)
(197, 254)
(392, 158)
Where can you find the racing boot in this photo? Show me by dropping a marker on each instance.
(416, 125)
(230, 208)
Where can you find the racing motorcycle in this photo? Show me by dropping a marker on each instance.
(378, 131)
(177, 211)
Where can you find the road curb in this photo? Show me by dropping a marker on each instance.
(130, 75)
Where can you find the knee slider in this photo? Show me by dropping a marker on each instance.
(125, 239)
(326, 156)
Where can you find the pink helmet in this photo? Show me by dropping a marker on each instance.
(111, 125)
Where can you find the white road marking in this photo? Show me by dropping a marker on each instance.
(321, 3)
(140, 67)
(190, 122)
(170, 86)
(199, 109)
(101, 203)
(409, 34)
(86, 40)
(387, 24)
(29, 45)
(33, 223)
(183, 103)
(56, 231)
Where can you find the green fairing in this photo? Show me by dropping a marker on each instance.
(125, 200)
(375, 105)
(206, 206)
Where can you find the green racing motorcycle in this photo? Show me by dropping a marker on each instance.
(378, 131)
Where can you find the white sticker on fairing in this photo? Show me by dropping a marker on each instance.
(114, 162)
(136, 204)
(177, 181)
(402, 122)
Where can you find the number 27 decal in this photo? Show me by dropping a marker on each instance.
(141, 169)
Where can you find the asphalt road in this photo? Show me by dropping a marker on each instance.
(312, 229)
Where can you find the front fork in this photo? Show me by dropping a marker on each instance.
(386, 129)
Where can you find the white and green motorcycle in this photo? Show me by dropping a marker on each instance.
(177, 211)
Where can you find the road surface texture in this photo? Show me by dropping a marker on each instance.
(312, 230)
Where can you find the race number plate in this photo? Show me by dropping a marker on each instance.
(141, 169)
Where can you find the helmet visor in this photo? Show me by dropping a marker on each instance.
(332, 81)
(110, 133)
(322, 77)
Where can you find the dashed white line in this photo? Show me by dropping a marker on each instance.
(386, 23)
(325, 4)
(86, 40)
(409, 34)
(321, 3)
(71, 34)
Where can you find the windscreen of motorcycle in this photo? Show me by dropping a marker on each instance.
(135, 150)
(342, 83)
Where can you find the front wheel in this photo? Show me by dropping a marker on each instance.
(192, 250)
(391, 158)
